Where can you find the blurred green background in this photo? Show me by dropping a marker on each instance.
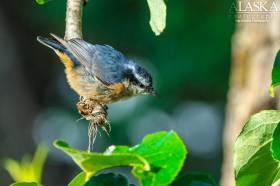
(190, 63)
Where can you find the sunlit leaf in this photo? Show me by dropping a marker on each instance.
(157, 15)
(253, 161)
(13, 167)
(155, 161)
(94, 162)
(27, 170)
(78, 180)
(41, 2)
(26, 184)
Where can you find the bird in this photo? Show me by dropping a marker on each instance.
(100, 72)
(100, 75)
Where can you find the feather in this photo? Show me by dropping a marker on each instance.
(102, 61)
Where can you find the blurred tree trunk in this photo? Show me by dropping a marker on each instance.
(18, 104)
(254, 47)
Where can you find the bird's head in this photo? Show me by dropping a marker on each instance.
(141, 81)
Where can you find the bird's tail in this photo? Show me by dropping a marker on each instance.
(60, 46)
(54, 42)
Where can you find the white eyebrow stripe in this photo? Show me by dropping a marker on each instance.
(141, 79)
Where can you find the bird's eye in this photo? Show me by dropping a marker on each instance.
(142, 86)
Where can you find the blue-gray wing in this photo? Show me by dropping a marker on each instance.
(101, 61)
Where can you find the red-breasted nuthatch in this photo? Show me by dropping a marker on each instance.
(99, 72)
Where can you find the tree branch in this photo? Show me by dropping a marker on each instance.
(74, 12)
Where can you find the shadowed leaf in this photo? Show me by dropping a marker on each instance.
(108, 179)
(275, 146)
(194, 179)
(275, 75)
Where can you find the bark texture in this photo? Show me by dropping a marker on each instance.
(254, 47)
(74, 12)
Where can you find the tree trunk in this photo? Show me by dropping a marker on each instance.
(254, 47)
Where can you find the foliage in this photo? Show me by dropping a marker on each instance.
(109, 179)
(275, 149)
(155, 161)
(193, 179)
(276, 143)
(275, 75)
(256, 151)
(41, 2)
(27, 170)
(188, 179)
(253, 161)
(158, 15)
(26, 184)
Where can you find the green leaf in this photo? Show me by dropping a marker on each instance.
(108, 179)
(275, 149)
(165, 153)
(253, 162)
(26, 184)
(41, 2)
(275, 146)
(38, 161)
(79, 180)
(275, 75)
(155, 161)
(157, 15)
(194, 179)
(27, 170)
(94, 162)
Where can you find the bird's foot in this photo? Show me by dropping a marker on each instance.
(96, 114)
(92, 110)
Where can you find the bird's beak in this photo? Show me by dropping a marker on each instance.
(153, 93)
